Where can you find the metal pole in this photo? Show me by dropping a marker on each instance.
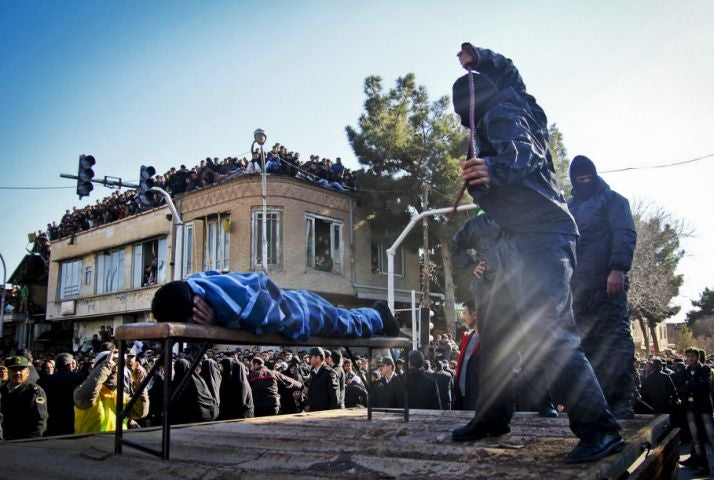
(265, 210)
(2, 299)
(178, 229)
(391, 251)
(425, 240)
(414, 322)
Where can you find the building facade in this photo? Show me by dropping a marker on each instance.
(317, 240)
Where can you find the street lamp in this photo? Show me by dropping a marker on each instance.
(2, 296)
(260, 137)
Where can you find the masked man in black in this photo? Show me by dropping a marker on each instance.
(510, 174)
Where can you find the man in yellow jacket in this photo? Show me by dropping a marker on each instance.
(95, 401)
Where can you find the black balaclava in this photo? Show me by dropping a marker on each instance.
(580, 166)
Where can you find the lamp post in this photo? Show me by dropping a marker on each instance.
(2, 297)
(260, 137)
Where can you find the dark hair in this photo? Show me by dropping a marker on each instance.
(336, 357)
(173, 302)
(416, 358)
(63, 361)
(692, 350)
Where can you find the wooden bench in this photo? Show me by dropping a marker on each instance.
(170, 333)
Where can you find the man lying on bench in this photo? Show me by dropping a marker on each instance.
(252, 302)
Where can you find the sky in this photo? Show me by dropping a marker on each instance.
(165, 83)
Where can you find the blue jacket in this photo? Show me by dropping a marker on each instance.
(512, 137)
(607, 236)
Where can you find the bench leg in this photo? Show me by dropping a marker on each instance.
(166, 429)
(403, 378)
(369, 383)
(118, 430)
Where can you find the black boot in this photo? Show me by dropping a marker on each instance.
(602, 445)
(390, 326)
(548, 411)
(476, 430)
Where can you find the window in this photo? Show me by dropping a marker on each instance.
(88, 273)
(379, 256)
(217, 243)
(187, 250)
(149, 263)
(272, 233)
(70, 279)
(325, 249)
(110, 271)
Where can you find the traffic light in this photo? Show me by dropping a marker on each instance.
(85, 175)
(426, 316)
(146, 183)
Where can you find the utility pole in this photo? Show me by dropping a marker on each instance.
(425, 234)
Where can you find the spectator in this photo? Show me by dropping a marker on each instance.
(195, 403)
(24, 404)
(323, 391)
(236, 394)
(96, 398)
(445, 381)
(59, 389)
(422, 388)
(388, 391)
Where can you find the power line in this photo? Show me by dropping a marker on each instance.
(660, 166)
(626, 169)
(34, 188)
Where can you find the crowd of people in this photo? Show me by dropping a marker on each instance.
(278, 161)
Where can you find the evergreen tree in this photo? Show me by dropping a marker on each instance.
(561, 160)
(404, 140)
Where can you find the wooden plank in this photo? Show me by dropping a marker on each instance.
(330, 444)
(662, 463)
(192, 331)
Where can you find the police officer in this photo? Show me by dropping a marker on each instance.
(24, 404)
(324, 386)
(605, 250)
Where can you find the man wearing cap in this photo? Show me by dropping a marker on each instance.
(388, 391)
(323, 384)
(96, 399)
(24, 404)
(509, 172)
(600, 282)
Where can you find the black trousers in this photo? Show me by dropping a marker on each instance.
(604, 329)
(530, 308)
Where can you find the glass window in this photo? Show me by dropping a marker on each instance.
(379, 255)
(70, 283)
(325, 248)
(272, 233)
(217, 245)
(188, 250)
(149, 263)
(110, 271)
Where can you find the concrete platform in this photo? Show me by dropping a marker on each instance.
(332, 444)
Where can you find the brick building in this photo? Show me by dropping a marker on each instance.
(317, 240)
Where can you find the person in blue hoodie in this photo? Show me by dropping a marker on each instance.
(252, 302)
(600, 282)
(509, 172)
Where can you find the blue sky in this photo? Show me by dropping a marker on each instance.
(164, 83)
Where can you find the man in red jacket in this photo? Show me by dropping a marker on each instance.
(465, 379)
